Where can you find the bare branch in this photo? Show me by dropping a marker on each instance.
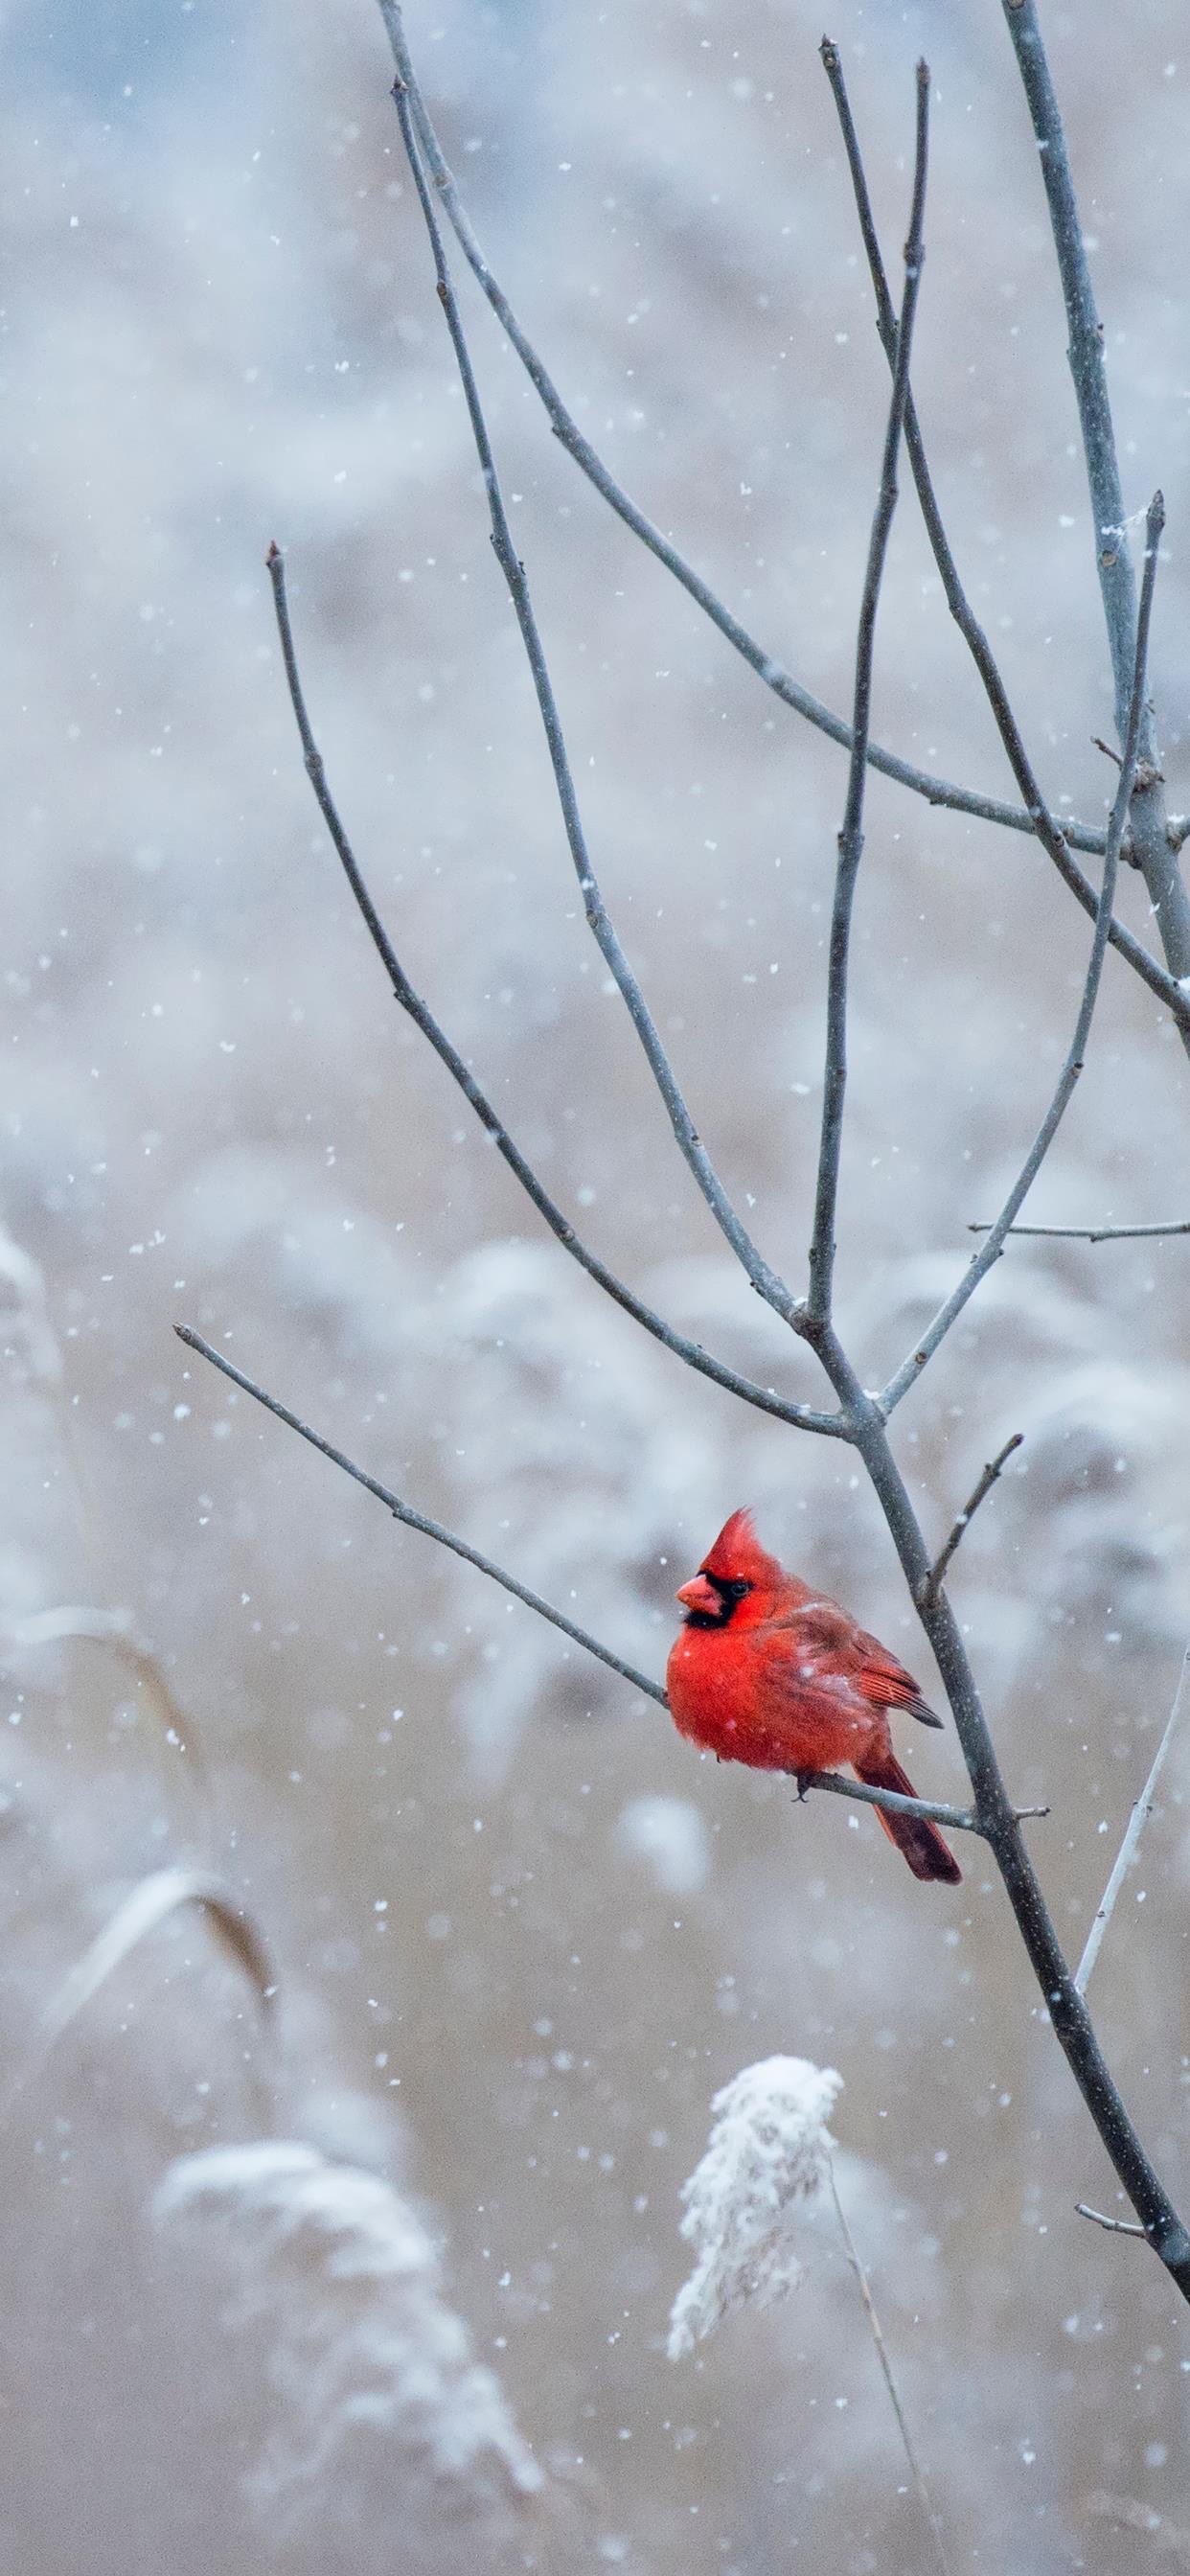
(415, 1520)
(1131, 1842)
(1116, 2226)
(764, 1398)
(1093, 1233)
(1154, 851)
(936, 791)
(1048, 831)
(929, 1587)
(851, 837)
(961, 1820)
(990, 1250)
(764, 1279)
(1068, 2015)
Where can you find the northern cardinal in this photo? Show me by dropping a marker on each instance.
(769, 1672)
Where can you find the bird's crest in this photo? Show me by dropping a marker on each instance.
(737, 1555)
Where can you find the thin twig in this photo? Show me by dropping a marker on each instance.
(990, 1249)
(1151, 840)
(930, 1585)
(1093, 1233)
(851, 837)
(416, 1520)
(882, 2356)
(1115, 2226)
(764, 1398)
(1131, 1842)
(1048, 831)
(961, 1820)
(936, 791)
(765, 1280)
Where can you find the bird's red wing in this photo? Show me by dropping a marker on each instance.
(816, 1631)
(885, 1682)
(822, 1636)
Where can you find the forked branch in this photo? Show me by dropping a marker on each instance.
(863, 1416)
(1051, 836)
(694, 1154)
(992, 1245)
(765, 1399)
(936, 791)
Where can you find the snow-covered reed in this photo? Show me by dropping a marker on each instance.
(373, 2375)
(768, 2155)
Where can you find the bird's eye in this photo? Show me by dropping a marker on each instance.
(731, 1590)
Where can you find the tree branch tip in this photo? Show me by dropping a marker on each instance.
(195, 1342)
(274, 554)
(927, 1588)
(1114, 2226)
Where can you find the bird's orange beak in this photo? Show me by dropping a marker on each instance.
(699, 1594)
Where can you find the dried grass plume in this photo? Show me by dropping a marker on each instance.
(768, 2154)
(375, 2375)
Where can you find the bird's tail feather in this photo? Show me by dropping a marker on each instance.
(920, 1841)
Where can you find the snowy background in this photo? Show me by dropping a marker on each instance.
(521, 1934)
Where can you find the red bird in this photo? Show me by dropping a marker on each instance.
(769, 1672)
